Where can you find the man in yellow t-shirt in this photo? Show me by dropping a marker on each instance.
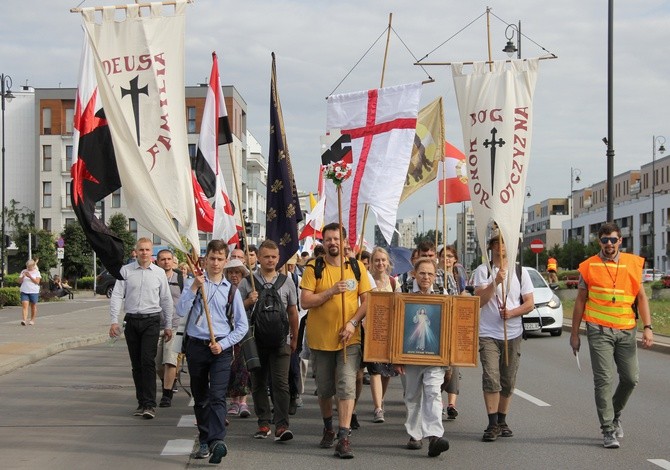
(329, 329)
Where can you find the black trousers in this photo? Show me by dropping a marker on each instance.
(142, 340)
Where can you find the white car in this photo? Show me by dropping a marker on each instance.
(548, 312)
(650, 275)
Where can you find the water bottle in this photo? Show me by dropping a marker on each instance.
(113, 339)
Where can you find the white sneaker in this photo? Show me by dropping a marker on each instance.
(610, 441)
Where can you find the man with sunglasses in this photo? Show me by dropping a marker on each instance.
(609, 284)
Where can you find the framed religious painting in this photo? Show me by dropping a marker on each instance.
(421, 330)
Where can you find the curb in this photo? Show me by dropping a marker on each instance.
(50, 350)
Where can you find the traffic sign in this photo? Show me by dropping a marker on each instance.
(536, 246)
(60, 253)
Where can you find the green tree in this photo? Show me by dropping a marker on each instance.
(118, 224)
(78, 253)
(573, 253)
(430, 236)
(20, 223)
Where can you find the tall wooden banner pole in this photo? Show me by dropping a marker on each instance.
(381, 85)
(339, 214)
(504, 296)
(193, 264)
(444, 219)
(239, 211)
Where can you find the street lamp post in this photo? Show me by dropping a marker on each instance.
(509, 35)
(660, 140)
(574, 178)
(5, 96)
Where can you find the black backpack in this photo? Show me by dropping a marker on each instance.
(320, 265)
(269, 317)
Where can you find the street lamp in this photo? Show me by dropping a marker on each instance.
(510, 49)
(423, 223)
(660, 140)
(574, 178)
(5, 96)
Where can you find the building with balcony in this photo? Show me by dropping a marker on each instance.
(544, 222)
(641, 209)
(51, 142)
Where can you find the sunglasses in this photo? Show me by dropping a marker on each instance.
(612, 240)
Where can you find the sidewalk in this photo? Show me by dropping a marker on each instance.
(68, 324)
(60, 325)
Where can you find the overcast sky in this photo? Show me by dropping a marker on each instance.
(318, 42)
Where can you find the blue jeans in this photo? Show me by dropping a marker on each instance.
(209, 383)
(612, 351)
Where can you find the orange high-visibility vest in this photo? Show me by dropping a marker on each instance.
(607, 304)
(552, 265)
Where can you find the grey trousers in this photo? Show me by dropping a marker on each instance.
(612, 351)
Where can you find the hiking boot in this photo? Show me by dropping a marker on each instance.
(234, 409)
(202, 452)
(166, 402)
(343, 449)
(491, 433)
(283, 433)
(437, 445)
(354, 422)
(609, 440)
(244, 410)
(263, 432)
(618, 430)
(452, 412)
(138, 411)
(379, 416)
(328, 439)
(292, 407)
(218, 450)
(505, 430)
(149, 412)
(413, 444)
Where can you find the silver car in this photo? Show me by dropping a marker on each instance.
(548, 312)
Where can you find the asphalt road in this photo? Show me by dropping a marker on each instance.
(73, 410)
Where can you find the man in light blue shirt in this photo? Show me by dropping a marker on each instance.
(144, 292)
(209, 362)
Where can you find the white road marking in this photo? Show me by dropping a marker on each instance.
(178, 447)
(191, 402)
(530, 398)
(660, 462)
(186, 421)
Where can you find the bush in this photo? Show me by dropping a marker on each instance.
(10, 296)
(85, 282)
(11, 280)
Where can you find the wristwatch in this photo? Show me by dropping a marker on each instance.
(648, 327)
(354, 322)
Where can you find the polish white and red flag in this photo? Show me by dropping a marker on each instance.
(452, 185)
(382, 125)
(206, 168)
